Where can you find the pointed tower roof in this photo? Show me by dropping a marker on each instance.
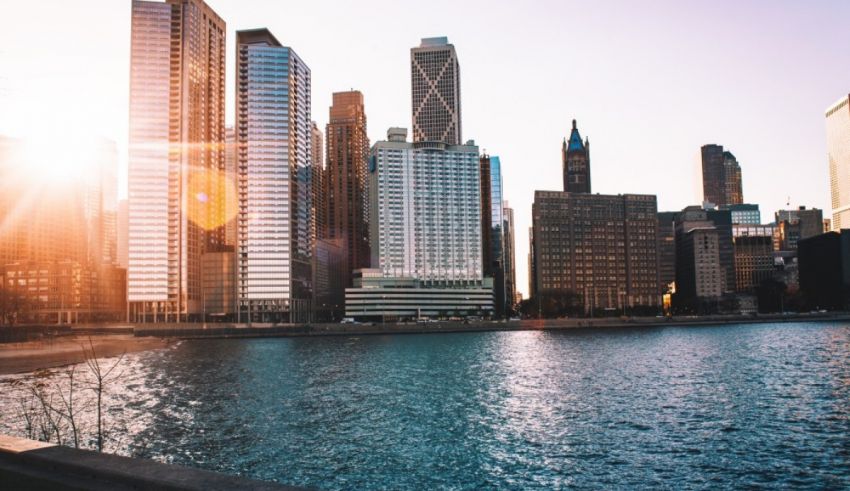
(575, 140)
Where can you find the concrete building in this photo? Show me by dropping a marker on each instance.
(435, 84)
(700, 279)
(721, 176)
(754, 249)
(596, 251)
(178, 201)
(346, 196)
(492, 228)
(274, 140)
(838, 151)
(575, 160)
(425, 219)
(667, 250)
(795, 225)
(510, 256)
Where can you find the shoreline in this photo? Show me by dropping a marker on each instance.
(30, 356)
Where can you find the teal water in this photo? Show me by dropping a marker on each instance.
(672, 407)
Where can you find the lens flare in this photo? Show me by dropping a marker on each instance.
(211, 201)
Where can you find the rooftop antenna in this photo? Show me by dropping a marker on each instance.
(788, 201)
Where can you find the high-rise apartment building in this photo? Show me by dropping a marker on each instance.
(347, 205)
(510, 256)
(721, 176)
(492, 228)
(425, 220)
(318, 201)
(435, 80)
(575, 159)
(178, 201)
(274, 139)
(838, 150)
(596, 251)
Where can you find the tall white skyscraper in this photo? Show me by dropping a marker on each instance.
(274, 140)
(838, 149)
(425, 211)
(435, 84)
(177, 197)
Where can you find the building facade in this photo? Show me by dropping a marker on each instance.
(346, 196)
(510, 257)
(318, 201)
(177, 198)
(274, 139)
(838, 151)
(575, 160)
(754, 247)
(744, 214)
(700, 278)
(435, 84)
(721, 176)
(598, 251)
(492, 228)
(824, 268)
(796, 225)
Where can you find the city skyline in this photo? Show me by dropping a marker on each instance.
(640, 143)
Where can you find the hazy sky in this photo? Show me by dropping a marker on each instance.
(649, 82)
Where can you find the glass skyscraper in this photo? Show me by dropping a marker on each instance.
(274, 140)
(176, 197)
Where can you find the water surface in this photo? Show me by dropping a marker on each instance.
(674, 407)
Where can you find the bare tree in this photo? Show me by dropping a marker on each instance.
(102, 376)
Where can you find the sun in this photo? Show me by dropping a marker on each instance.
(59, 159)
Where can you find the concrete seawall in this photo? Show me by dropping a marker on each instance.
(31, 465)
(197, 330)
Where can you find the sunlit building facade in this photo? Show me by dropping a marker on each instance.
(754, 247)
(721, 176)
(838, 151)
(435, 83)
(274, 140)
(346, 196)
(179, 199)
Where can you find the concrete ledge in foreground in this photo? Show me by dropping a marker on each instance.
(30, 465)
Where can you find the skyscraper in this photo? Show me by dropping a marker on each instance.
(318, 200)
(178, 199)
(348, 151)
(721, 176)
(492, 231)
(435, 83)
(274, 139)
(575, 159)
(509, 254)
(838, 150)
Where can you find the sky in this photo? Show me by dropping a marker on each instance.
(649, 83)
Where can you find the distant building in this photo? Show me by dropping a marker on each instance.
(274, 138)
(232, 176)
(795, 225)
(218, 283)
(744, 214)
(532, 269)
(575, 160)
(329, 279)
(596, 251)
(318, 185)
(346, 196)
(510, 256)
(824, 268)
(667, 250)
(700, 278)
(721, 177)
(492, 228)
(754, 247)
(435, 83)
(838, 150)
(122, 234)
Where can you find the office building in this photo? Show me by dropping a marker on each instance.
(347, 206)
(425, 220)
(435, 84)
(575, 159)
(744, 214)
(824, 268)
(596, 251)
(178, 200)
(122, 234)
(318, 201)
(274, 138)
(667, 250)
(754, 249)
(795, 225)
(838, 151)
(492, 228)
(510, 256)
(700, 278)
(231, 174)
(721, 177)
